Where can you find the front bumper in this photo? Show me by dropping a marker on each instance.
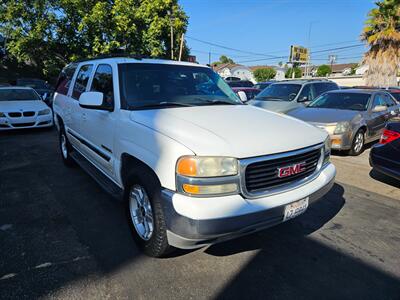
(8, 123)
(197, 222)
(341, 141)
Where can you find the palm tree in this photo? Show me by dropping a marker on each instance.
(382, 33)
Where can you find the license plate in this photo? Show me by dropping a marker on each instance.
(294, 209)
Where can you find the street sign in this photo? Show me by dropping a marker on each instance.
(298, 54)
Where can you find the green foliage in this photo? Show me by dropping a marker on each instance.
(297, 72)
(264, 74)
(49, 33)
(324, 70)
(223, 59)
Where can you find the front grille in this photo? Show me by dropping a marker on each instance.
(15, 114)
(23, 124)
(263, 175)
(29, 113)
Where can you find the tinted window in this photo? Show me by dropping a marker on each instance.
(159, 84)
(18, 95)
(389, 101)
(81, 80)
(279, 92)
(379, 100)
(306, 92)
(64, 79)
(320, 88)
(242, 83)
(347, 101)
(103, 82)
(396, 96)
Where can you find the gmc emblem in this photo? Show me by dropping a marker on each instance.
(291, 170)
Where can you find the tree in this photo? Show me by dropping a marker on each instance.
(49, 33)
(297, 72)
(223, 59)
(264, 74)
(382, 34)
(324, 70)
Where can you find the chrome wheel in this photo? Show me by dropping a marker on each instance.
(359, 142)
(141, 212)
(64, 149)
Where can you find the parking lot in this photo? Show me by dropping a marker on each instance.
(62, 236)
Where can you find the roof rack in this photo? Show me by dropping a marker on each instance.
(111, 55)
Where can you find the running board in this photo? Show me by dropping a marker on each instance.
(107, 184)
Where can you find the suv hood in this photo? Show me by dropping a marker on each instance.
(323, 115)
(230, 130)
(276, 106)
(13, 106)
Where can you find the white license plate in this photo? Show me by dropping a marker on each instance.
(294, 209)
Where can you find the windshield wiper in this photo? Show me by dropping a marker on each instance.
(162, 104)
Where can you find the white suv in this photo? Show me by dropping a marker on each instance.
(192, 163)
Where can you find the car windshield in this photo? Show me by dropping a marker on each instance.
(345, 101)
(33, 83)
(161, 85)
(396, 96)
(279, 92)
(18, 95)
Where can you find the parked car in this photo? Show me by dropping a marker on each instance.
(250, 92)
(263, 85)
(232, 78)
(385, 156)
(149, 133)
(351, 117)
(240, 83)
(44, 89)
(22, 107)
(285, 96)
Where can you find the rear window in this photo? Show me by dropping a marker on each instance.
(18, 95)
(321, 88)
(240, 83)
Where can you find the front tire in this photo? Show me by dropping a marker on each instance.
(357, 147)
(145, 214)
(65, 148)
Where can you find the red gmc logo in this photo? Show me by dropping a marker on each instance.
(291, 170)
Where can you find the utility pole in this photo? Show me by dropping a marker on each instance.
(181, 47)
(171, 19)
(209, 58)
(332, 60)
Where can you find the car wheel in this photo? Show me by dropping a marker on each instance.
(145, 213)
(357, 146)
(65, 148)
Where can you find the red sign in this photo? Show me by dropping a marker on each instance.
(291, 170)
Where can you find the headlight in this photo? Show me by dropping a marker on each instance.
(327, 150)
(342, 127)
(44, 112)
(2, 115)
(197, 166)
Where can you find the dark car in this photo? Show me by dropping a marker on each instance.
(250, 92)
(240, 83)
(385, 156)
(263, 85)
(44, 89)
(395, 93)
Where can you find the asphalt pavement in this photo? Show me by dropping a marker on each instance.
(62, 237)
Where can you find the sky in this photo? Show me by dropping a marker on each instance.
(263, 30)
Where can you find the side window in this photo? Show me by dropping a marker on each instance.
(306, 92)
(389, 101)
(103, 82)
(321, 88)
(64, 79)
(81, 81)
(378, 100)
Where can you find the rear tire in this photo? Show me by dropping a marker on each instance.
(145, 214)
(65, 148)
(357, 146)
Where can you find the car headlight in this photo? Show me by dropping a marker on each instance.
(327, 150)
(342, 127)
(2, 115)
(207, 176)
(44, 112)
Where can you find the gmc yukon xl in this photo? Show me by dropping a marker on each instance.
(192, 163)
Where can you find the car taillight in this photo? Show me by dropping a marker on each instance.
(389, 136)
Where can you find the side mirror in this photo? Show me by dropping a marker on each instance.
(292, 96)
(242, 95)
(303, 99)
(379, 108)
(91, 100)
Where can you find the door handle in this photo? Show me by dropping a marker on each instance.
(84, 117)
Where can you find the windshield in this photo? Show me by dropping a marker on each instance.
(18, 95)
(155, 85)
(345, 101)
(33, 83)
(279, 92)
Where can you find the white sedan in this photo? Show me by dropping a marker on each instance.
(22, 107)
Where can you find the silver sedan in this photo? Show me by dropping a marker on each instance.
(351, 117)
